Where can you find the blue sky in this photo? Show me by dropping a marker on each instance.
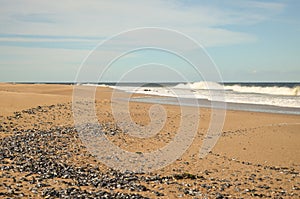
(248, 40)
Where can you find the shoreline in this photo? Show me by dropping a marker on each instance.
(203, 103)
(66, 95)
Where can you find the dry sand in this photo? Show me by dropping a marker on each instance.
(258, 154)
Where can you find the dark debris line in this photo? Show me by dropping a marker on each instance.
(23, 153)
(42, 155)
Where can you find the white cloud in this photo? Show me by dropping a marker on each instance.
(271, 6)
(32, 39)
(104, 18)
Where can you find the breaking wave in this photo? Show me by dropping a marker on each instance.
(270, 90)
(266, 90)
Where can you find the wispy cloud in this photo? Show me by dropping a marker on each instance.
(92, 18)
(269, 6)
(35, 17)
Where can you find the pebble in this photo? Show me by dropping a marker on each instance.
(42, 156)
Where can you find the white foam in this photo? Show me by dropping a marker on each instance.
(273, 90)
(200, 86)
(276, 96)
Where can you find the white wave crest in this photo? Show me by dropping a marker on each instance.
(200, 86)
(273, 90)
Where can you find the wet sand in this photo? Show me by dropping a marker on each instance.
(41, 155)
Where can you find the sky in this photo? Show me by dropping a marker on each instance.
(247, 40)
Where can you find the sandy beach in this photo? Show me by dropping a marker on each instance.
(42, 156)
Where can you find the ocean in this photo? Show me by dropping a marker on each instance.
(283, 97)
